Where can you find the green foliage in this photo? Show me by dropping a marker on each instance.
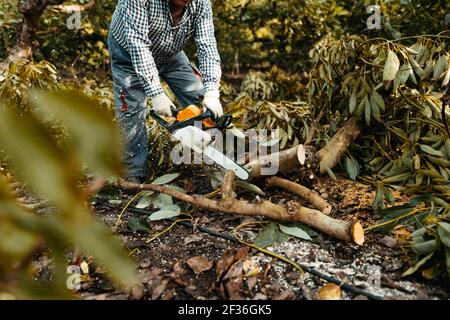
(395, 90)
(399, 18)
(53, 171)
(269, 235)
(274, 85)
(23, 75)
(291, 119)
(81, 50)
(273, 31)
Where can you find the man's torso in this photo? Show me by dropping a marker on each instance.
(166, 39)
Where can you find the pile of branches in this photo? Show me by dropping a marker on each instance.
(398, 92)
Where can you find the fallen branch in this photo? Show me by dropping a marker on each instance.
(335, 148)
(310, 195)
(227, 189)
(288, 160)
(343, 230)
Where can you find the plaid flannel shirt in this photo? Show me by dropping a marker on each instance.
(145, 29)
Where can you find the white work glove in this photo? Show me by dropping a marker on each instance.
(211, 101)
(162, 105)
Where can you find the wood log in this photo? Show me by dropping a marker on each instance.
(343, 230)
(290, 159)
(310, 195)
(335, 148)
(227, 189)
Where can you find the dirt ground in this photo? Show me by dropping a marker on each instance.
(186, 263)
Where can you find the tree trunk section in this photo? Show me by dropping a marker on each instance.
(335, 148)
(343, 230)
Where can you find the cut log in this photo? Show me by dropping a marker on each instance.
(309, 195)
(343, 230)
(335, 148)
(290, 160)
(227, 189)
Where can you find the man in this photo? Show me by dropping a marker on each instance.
(146, 42)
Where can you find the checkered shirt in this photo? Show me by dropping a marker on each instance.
(145, 29)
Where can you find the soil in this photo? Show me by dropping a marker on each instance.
(186, 263)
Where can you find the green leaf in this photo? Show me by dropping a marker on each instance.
(166, 178)
(431, 151)
(352, 167)
(416, 67)
(269, 235)
(145, 201)
(444, 233)
(402, 75)
(250, 187)
(352, 103)
(331, 173)
(422, 247)
(375, 110)
(138, 225)
(166, 212)
(176, 188)
(162, 200)
(416, 267)
(37, 159)
(367, 110)
(378, 202)
(378, 99)
(93, 138)
(447, 259)
(440, 66)
(391, 67)
(397, 178)
(295, 231)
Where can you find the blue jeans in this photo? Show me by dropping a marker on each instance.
(131, 102)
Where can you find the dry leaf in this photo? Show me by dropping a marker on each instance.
(224, 263)
(193, 238)
(199, 264)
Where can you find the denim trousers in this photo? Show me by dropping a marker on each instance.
(131, 101)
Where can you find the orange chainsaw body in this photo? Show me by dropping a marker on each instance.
(193, 111)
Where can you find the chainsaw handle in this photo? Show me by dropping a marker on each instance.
(159, 119)
(220, 123)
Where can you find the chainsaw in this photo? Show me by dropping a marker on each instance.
(184, 129)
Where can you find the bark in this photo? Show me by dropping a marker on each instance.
(328, 156)
(336, 147)
(227, 190)
(311, 196)
(343, 230)
(288, 161)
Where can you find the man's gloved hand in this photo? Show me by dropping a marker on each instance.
(162, 105)
(211, 101)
